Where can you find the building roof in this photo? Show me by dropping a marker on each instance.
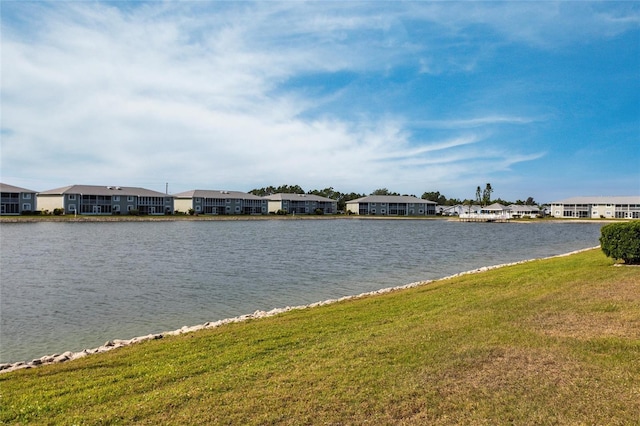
(104, 190)
(463, 207)
(10, 188)
(633, 199)
(298, 197)
(523, 208)
(390, 199)
(495, 207)
(215, 193)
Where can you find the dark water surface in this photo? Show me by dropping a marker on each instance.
(71, 286)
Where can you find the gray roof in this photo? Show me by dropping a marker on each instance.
(633, 199)
(10, 188)
(390, 199)
(215, 193)
(298, 197)
(460, 206)
(523, 208)
(104, 190)
(496, 207)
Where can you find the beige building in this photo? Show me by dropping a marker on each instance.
(104, 200)
(597, 207)
(220, 202)
(301, 204)
(391, 205)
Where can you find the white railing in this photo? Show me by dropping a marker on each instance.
(485, 216)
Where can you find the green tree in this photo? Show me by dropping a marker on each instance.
(383, 191)
(327, 193)
(486, 194)
(282, 189)
(478, 195)
(435, 197)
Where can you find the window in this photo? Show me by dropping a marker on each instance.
(116, 198)
(129, 208)
(198, 208)
(116, 208)
(72, 207)
(26, 206)
(26, 196)
(72, 197)
(130, 198)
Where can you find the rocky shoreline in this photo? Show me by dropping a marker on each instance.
(118, 343)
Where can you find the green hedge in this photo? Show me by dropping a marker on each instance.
(621, 241)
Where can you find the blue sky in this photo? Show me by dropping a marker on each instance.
(539, 99)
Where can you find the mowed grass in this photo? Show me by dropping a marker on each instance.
(552, 341)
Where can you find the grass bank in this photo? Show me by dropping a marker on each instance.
(554, 341)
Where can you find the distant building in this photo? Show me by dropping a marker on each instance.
(597, 207)
(220, 202)
(391, 205)
(520, 210)
(457, 209)
(16, 200)
(496, 208)
(301, 203)
(103, 200)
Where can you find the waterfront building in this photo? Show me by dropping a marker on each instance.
(458, 209)
(220, 202)
(521, 210)
(627, 207)
(16, 200)
(391, 205)
(103, 200)
(301, 204)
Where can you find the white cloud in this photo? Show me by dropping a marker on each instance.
(192, 93)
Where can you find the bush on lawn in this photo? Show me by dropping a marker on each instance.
(622, 241)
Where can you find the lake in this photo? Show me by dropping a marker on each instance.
(73, 285)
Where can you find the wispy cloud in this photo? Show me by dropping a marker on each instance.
(461, 123)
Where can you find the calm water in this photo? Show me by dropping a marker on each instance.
(70, 286)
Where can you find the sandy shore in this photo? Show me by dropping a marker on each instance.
(117, 343)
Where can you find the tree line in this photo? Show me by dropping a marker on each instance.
(483, 196)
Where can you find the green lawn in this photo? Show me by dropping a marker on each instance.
(553, 341)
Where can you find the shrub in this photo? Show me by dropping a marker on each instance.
(621, 241)
(134, 212)
(58, 211)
